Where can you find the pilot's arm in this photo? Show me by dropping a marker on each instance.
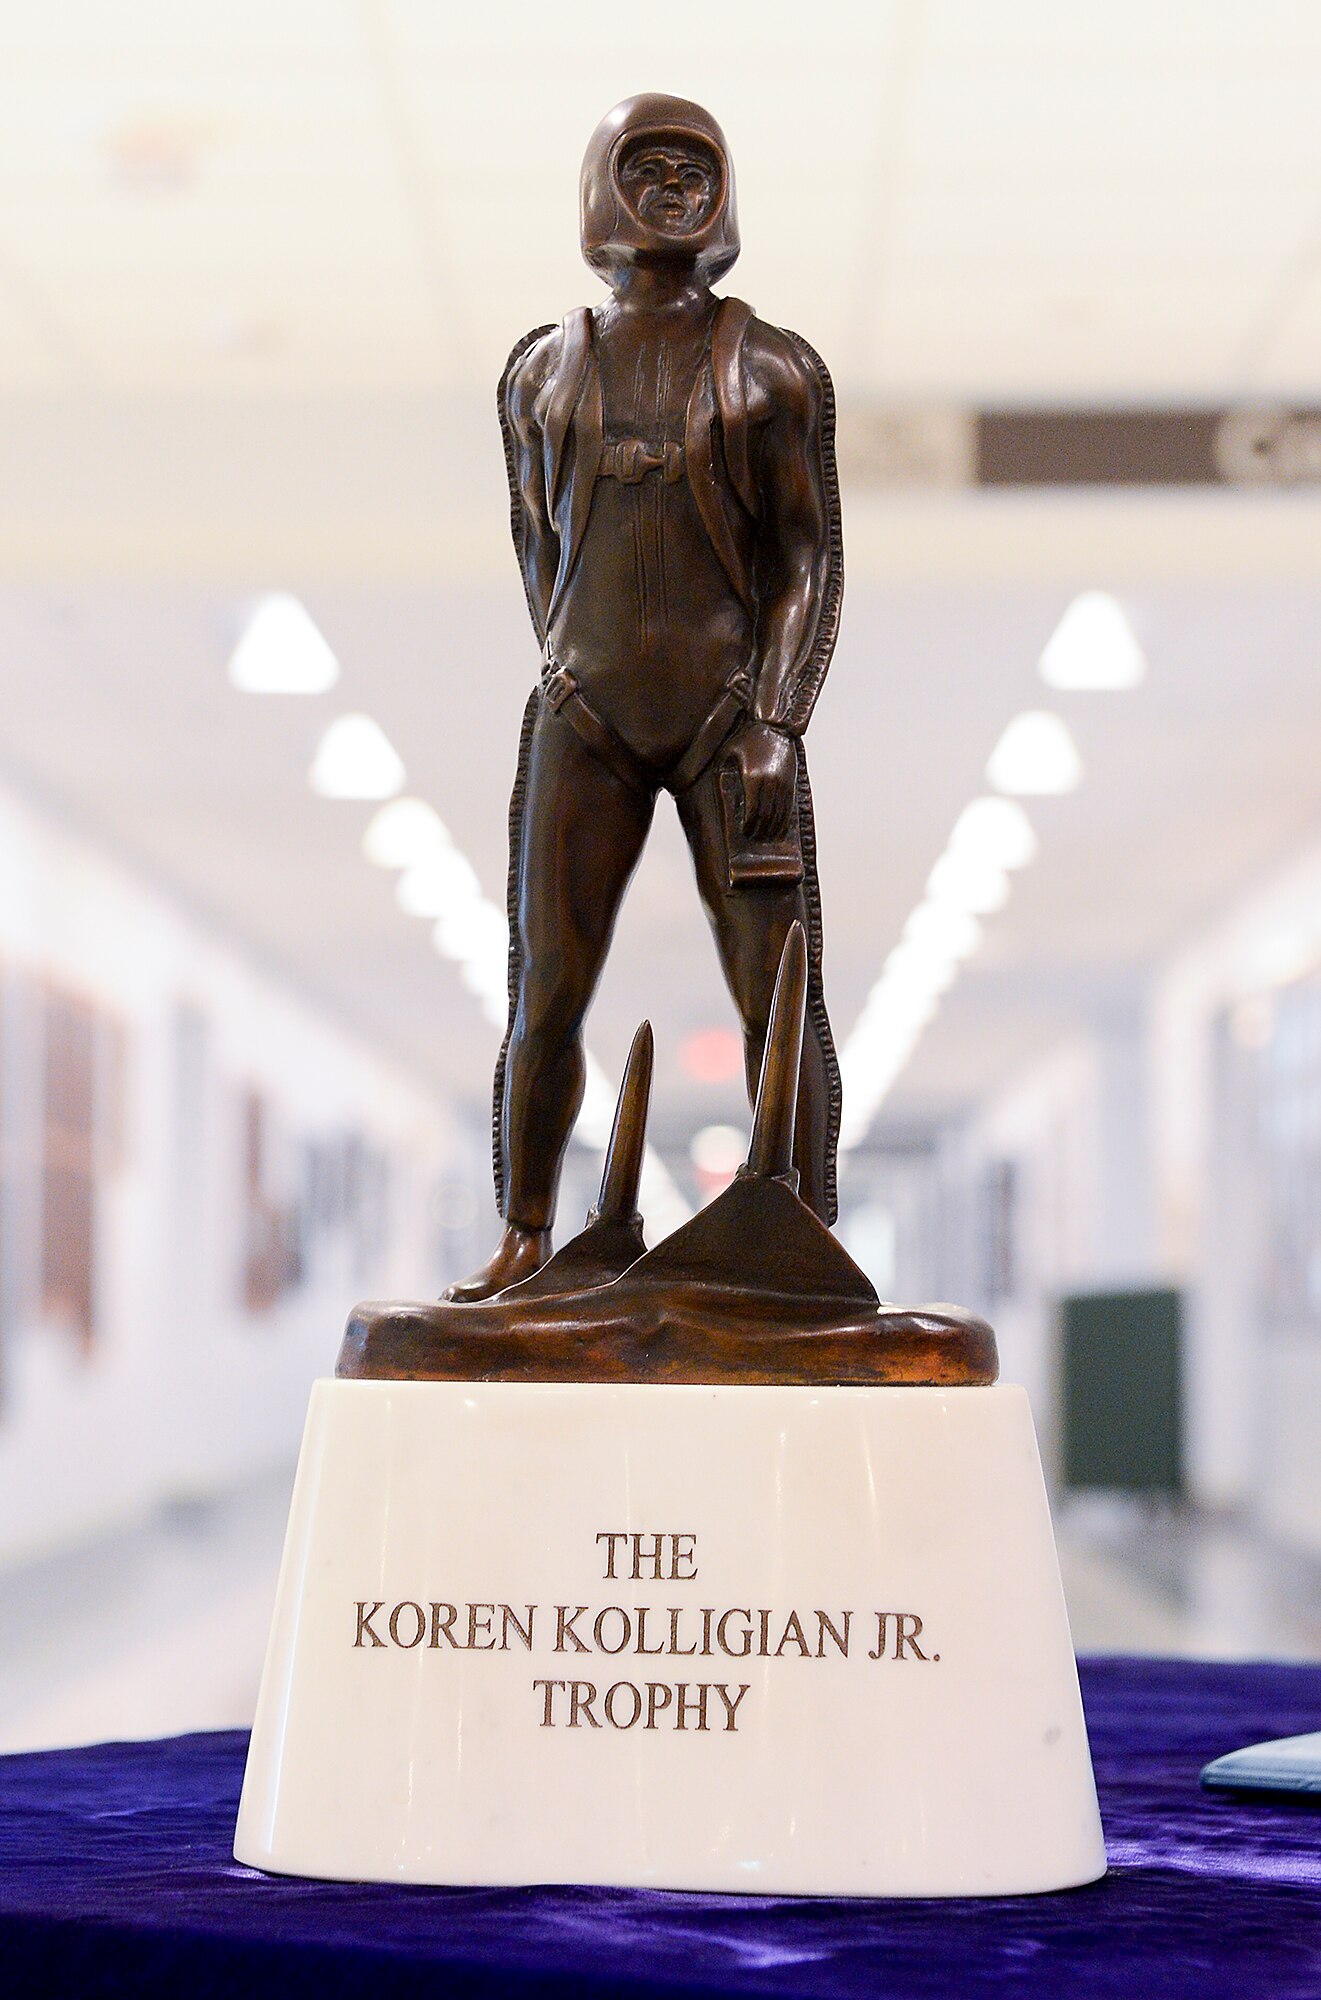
(540, 548)
(785, 400)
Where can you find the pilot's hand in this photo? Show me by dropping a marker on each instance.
(767, 765)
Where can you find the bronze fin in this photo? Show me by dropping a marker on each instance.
(758, 1238)
(770, 1150)
(622, 1173)
(612, 1237)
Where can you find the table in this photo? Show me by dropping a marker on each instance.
(116, 1877)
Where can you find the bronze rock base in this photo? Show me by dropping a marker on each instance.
(752, 1289)
(675, 1342)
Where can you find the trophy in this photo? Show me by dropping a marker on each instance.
(694, 1565)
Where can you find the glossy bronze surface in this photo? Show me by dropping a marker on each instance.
(676, 516)
(754, 1289)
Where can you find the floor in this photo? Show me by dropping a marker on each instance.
(148, 1633)
(1154, 1579)
(163, 1628)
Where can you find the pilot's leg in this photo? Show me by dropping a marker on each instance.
(750, 925)
(581, 835)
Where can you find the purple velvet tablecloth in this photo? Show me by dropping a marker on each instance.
(116, 1877)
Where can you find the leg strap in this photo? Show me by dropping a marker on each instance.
(562, 696)
(729, 710)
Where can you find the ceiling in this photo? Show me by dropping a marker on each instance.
(260, 265)
(1194, 783)
(1025, 200)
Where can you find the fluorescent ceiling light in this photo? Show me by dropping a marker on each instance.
(281, 651)
(895, 1003)
(718, 1149)
(404, 831)
(596, 1116)
(356, 760)
(1035, 756)
(438, 886)
(966, 882)
(995, 831)
(990, 836)
(1285, 955)
(474, 932)
(868, 1072)
(1093, 646)
(488, 983)
(944, 932)
(917, 966)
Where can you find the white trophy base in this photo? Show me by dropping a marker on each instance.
(853, 1676)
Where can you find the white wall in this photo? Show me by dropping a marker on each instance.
(1131, 1176)
(183, 1390)
(1049, 1123)
(1255, 1414)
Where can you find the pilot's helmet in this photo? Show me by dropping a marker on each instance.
(613, 235)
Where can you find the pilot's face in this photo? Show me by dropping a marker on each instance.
(670, 184)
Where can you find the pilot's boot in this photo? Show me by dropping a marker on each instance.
(518, 1254)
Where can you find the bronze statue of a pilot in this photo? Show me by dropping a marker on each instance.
(676, 516)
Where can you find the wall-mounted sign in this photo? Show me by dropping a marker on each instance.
(1259, 447)
(949, 447)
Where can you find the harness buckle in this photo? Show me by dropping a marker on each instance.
(631, 459)
(557, 687)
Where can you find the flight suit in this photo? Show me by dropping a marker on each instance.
(641, 489)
